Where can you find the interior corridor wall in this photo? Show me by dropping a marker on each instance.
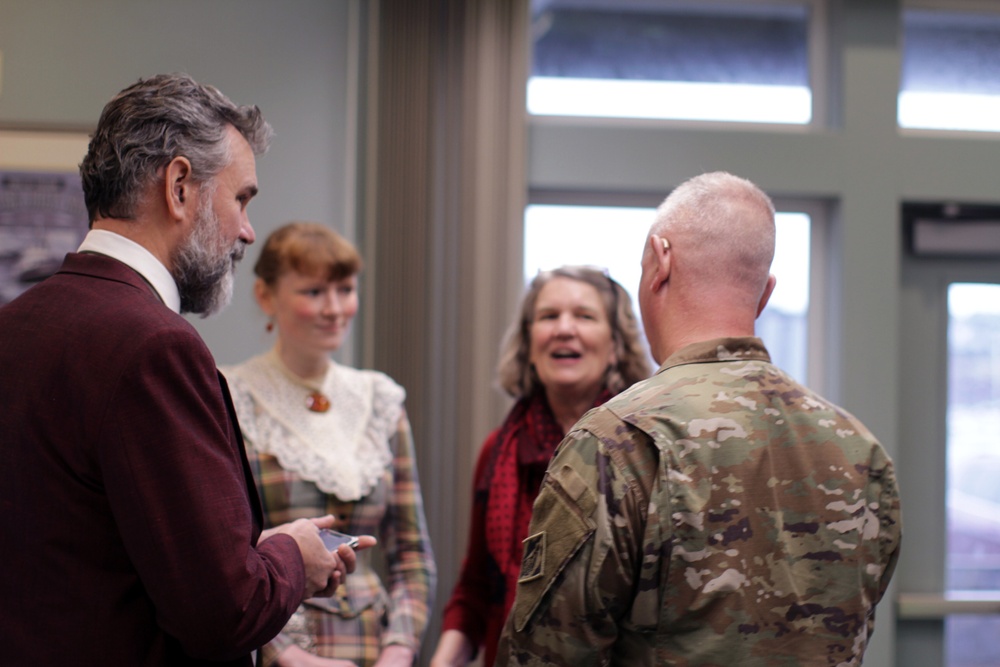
(63, 60)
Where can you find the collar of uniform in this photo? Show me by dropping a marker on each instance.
(130, 253)
(747, 348)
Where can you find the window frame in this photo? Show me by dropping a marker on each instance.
(817, 49)
(953, 7)
(820, 262)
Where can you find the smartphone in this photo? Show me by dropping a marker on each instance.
(332, 539)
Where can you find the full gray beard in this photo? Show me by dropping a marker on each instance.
(204, 274)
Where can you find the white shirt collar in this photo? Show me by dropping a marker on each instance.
(138, 258)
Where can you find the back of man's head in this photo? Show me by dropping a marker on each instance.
(721, 230)
(147, 125)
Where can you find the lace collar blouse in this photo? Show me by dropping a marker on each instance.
(345, 450)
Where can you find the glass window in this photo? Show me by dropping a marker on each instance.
(696, 61)
(973, 466)
(950, 70)
(783, 324)
(612, 238)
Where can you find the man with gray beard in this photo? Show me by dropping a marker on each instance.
(204, 273)
(130, 527)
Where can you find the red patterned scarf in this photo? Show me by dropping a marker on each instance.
(525, 443)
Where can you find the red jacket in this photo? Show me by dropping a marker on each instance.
(127, 510)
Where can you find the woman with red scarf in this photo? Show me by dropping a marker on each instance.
(575, 344)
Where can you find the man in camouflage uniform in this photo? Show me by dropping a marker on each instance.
(718, 513)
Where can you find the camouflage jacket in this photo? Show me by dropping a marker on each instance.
(718, 513)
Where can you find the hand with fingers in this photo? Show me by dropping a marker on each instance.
(325, 569)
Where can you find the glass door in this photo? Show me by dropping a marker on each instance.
(949, 464)
(972, 557)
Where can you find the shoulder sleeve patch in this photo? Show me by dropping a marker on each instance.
(533, 562)
(560, 527)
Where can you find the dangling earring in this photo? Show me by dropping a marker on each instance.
(270, 325)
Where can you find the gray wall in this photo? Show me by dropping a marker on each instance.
(63, 60)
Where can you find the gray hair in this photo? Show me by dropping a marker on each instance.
(150, 123)
(515, 373)
(724, 222)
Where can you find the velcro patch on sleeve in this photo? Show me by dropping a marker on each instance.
(533, 560)
(561, 527)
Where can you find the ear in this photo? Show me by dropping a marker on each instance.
(265, 299)
(768, 288)
(179, 190)
(658, 249)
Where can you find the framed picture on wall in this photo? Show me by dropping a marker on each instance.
(42, 211)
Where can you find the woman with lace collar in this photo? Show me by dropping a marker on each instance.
(324, 438)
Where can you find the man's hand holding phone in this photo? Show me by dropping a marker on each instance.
(326, 568)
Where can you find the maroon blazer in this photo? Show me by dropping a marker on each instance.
(128, 513)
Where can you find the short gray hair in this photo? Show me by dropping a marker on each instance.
(724, 221)
(150, 123)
